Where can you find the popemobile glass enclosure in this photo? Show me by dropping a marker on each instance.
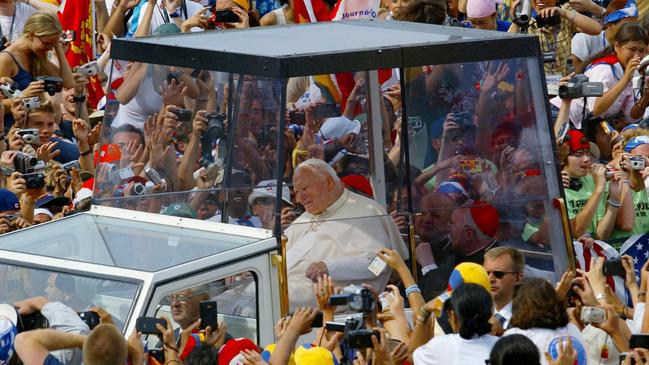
(202, 128)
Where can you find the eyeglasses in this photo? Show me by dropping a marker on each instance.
(48, 44)
(263, 201)
(179, 298)
(501, 274)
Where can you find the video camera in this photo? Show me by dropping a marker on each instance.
(580, 87)
(356, 335)
(358, 298)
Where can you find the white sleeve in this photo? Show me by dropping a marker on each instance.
(638, 317)
(65, 319)
(349, 268)
(627, 106)
(604, 74)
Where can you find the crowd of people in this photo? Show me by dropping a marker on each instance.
(205, 145)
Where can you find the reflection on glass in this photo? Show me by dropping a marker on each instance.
(75, 291)
(236, 303)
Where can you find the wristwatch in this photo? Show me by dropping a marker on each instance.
(600, 296)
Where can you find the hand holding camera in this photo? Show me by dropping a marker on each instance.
(52, 85)
(35, 88)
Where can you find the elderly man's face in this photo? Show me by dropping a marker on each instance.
(185, 307)
(312, 189)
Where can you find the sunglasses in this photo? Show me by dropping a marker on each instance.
(501, 274)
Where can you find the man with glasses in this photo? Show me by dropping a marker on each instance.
(185, 305)
(262, 202)
(505, 266)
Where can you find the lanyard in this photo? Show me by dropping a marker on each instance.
(11, 28)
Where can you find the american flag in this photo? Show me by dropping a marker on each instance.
(638, 248)
(600, 249)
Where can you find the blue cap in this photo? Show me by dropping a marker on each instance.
(576, 345)
(635, 142)
(630, 127)
(628, 11)
(8, 200)
(8, 331)
(69, 151)
(49, 200)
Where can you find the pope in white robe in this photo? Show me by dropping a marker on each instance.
(340, 233)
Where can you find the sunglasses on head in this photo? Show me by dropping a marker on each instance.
(500, 274)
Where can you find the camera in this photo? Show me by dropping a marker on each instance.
(593, 315)
(415, 123)
(53, 84)
(550, 21)
(184, 115)
(575, 184)
(24, 163)
(522, 13)
(356, 336)
(636, 163)
(30, 136)
(579, 87)
(215, 126)
(90, 318)
(463, 119)
(223, 16)
(297, 117)
(89, 69)
(153, 175)
(32, 103)
(10, 90)
(68, 36)
(68, 166)
(549, 57)
(358, 298)
(35, 180)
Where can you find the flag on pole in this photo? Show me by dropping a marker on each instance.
(77, 15)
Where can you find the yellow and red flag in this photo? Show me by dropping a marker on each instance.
(77, 15)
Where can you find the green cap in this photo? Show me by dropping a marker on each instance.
(167, 28)
(182, 210)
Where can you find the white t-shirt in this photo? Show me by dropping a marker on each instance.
(23, 11)
(145, 102)
(543, 336)
(586, 46)
(454, 350)
(157, 19)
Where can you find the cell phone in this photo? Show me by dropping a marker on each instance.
(638, 340)
(153, 175)
(613, 267)
(158, 354)
(327, 111)
(297, 117)
(335, 327)
(317, 321)
(209, 314)
(90, 318)
(184, 115)
(147, 325)
(226, 16)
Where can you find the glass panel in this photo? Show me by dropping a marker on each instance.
(477, 157)
(123, 243)
(172, 130)
(236, 304)
(75, 291)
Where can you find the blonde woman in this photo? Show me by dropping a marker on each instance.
(27, 58)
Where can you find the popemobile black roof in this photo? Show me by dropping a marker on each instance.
(325, 47)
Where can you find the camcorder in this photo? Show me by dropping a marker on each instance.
(53, 84)
(580, 87)
(356, 336)
(359, 299)
(24, 163)
(522, 13)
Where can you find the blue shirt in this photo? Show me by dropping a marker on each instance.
(51, 360)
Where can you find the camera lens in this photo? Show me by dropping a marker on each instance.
(138, 189)
(214, 126)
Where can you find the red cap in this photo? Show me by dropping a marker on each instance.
(485, 217)
(359, 183)
(576, 141)
(229, 352)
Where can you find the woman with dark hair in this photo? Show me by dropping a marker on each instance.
(540, 314)
(470, 309)
(421, 11)
(514, 350)
(616, 71)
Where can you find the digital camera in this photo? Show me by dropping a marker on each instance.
(53, 84)
(636, 163)
(32, 103)
(215, 126)
(30, 136)
(10, 90)
(34, 180)
(89, 69)
(593, 315)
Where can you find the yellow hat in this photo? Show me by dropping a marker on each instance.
(265, 355)
(243, 4)
(314, 355)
